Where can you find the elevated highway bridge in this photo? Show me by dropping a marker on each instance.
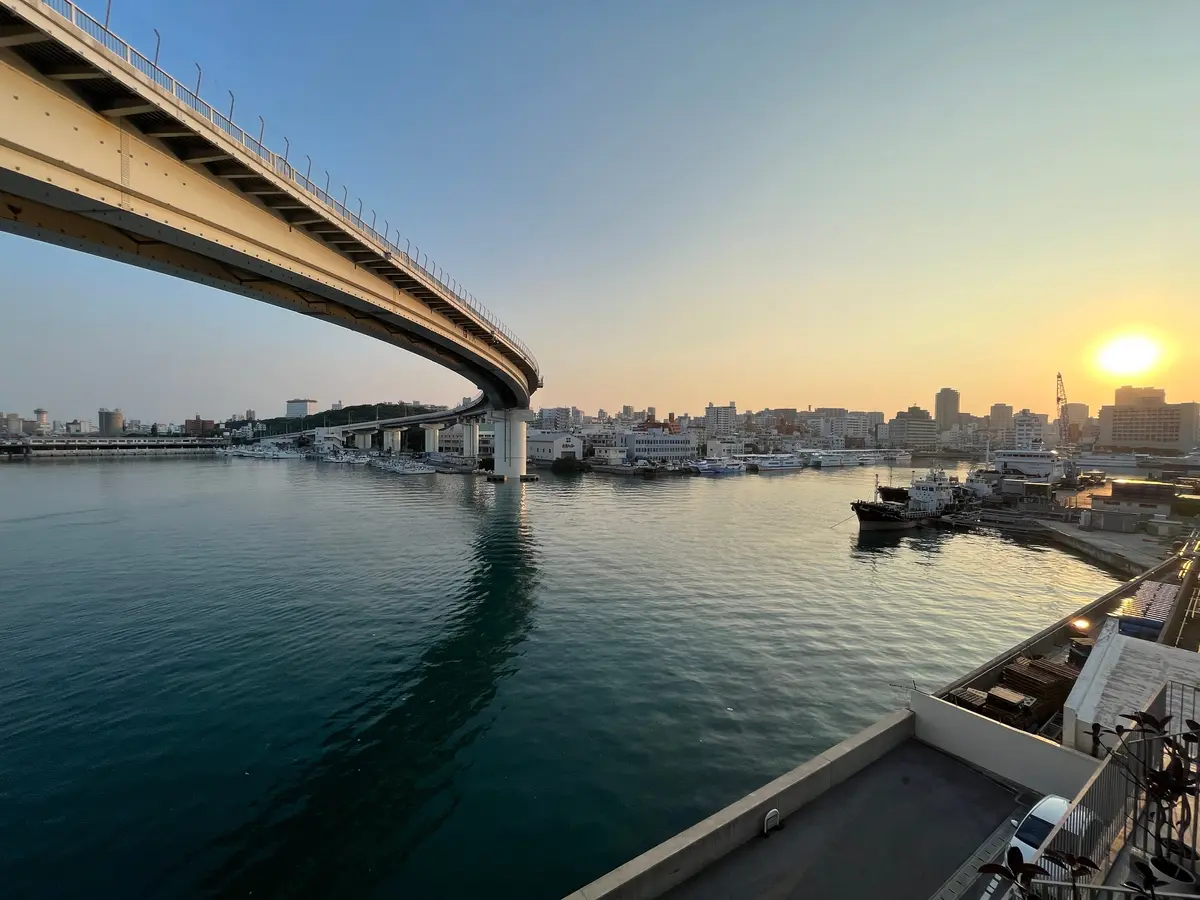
(102, 151)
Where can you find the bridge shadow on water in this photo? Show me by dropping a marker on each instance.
(384, 781)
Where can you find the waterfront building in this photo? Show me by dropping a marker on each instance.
(112, 422)
(913, 428)
(198, 427)
(609, 456)
(721, 420)
(549, 446)
(660, 444)
(298, 408)
(1141, 419)
(251, 416)
(945, 409)
(12, 423)
(721, 448)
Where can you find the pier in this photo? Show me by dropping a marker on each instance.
(92, 445)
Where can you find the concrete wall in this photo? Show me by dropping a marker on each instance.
(1017, 756)
(673, 861)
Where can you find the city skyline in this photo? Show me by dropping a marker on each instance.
(880, 219)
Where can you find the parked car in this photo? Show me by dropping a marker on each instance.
(1033, 830)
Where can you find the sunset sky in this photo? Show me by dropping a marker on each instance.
(780, 204)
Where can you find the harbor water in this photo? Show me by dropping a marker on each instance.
(234, 678)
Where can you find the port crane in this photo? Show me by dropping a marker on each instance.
(1064, 428)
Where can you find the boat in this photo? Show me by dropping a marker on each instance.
(1108, 461)
(899, 458)
(979, 484)
(776, 462)
(718, 467)
(828, 460)
(1037, 462)
(929, 498)
(892, 493)
(865, 460)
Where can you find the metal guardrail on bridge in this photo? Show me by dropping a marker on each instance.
(279, 164)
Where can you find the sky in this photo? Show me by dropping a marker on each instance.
(780, 204)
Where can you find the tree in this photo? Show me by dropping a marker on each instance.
(154, 430)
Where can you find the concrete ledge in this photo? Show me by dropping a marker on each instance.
(675, 860)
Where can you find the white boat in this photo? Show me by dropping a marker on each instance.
(899, 458)
(1041, 464)
(865, 460)
(1106, 461)
(775, 462)
(717, 467)
(828, 460)
(929, 497)
(978, 483)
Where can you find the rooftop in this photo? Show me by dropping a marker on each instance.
(899, 829)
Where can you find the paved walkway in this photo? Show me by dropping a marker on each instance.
(1138, 550)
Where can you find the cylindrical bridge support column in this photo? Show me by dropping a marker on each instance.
(362, 439)
(470, 432)
(510, 441)
(431, 437)
(393, 440)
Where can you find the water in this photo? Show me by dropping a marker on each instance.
(285, 679)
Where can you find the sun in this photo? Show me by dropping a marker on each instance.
(1128, 355)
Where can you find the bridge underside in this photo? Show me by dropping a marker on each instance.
(92, 158)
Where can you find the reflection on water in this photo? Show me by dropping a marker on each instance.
(385, 780)
(928, 541)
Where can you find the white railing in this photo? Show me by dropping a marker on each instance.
(279, 164)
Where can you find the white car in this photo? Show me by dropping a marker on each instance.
(1033, 830)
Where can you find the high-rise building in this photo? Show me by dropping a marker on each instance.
(720, 420)
(1143, 420)
(1140, 396)
(945, 409)
(651, 413)
(12, 423)
(298, 408)
(913, 428)
(336, 406)
(251, 416)
(554, 418)
(627, 411)
(1001, 417)
(112, 422)
(1077, 413)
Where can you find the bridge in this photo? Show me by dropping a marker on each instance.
(102, 151)
(508, 449)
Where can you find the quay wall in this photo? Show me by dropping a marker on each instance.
(109, 452)
(1108, 555)
(675, 860)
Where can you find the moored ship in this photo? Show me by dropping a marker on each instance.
(929, 497)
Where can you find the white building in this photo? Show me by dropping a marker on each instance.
(723, 447)
(554, 418)
(721, 420)
(551, 446)
(298, 408)
(1029, 429)
(609, 456)
(657, 444)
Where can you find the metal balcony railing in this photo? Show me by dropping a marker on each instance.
(1113, 815)
(279, 164)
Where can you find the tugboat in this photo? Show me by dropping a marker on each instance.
(929, 498)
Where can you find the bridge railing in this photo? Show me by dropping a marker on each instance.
(279, 164)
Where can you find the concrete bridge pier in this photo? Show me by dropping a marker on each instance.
(510, 441)
(431, 437)
(362, 439)
(470, 432)
(393, 439)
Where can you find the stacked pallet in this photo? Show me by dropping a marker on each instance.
(970, 698)
(1044, 684)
